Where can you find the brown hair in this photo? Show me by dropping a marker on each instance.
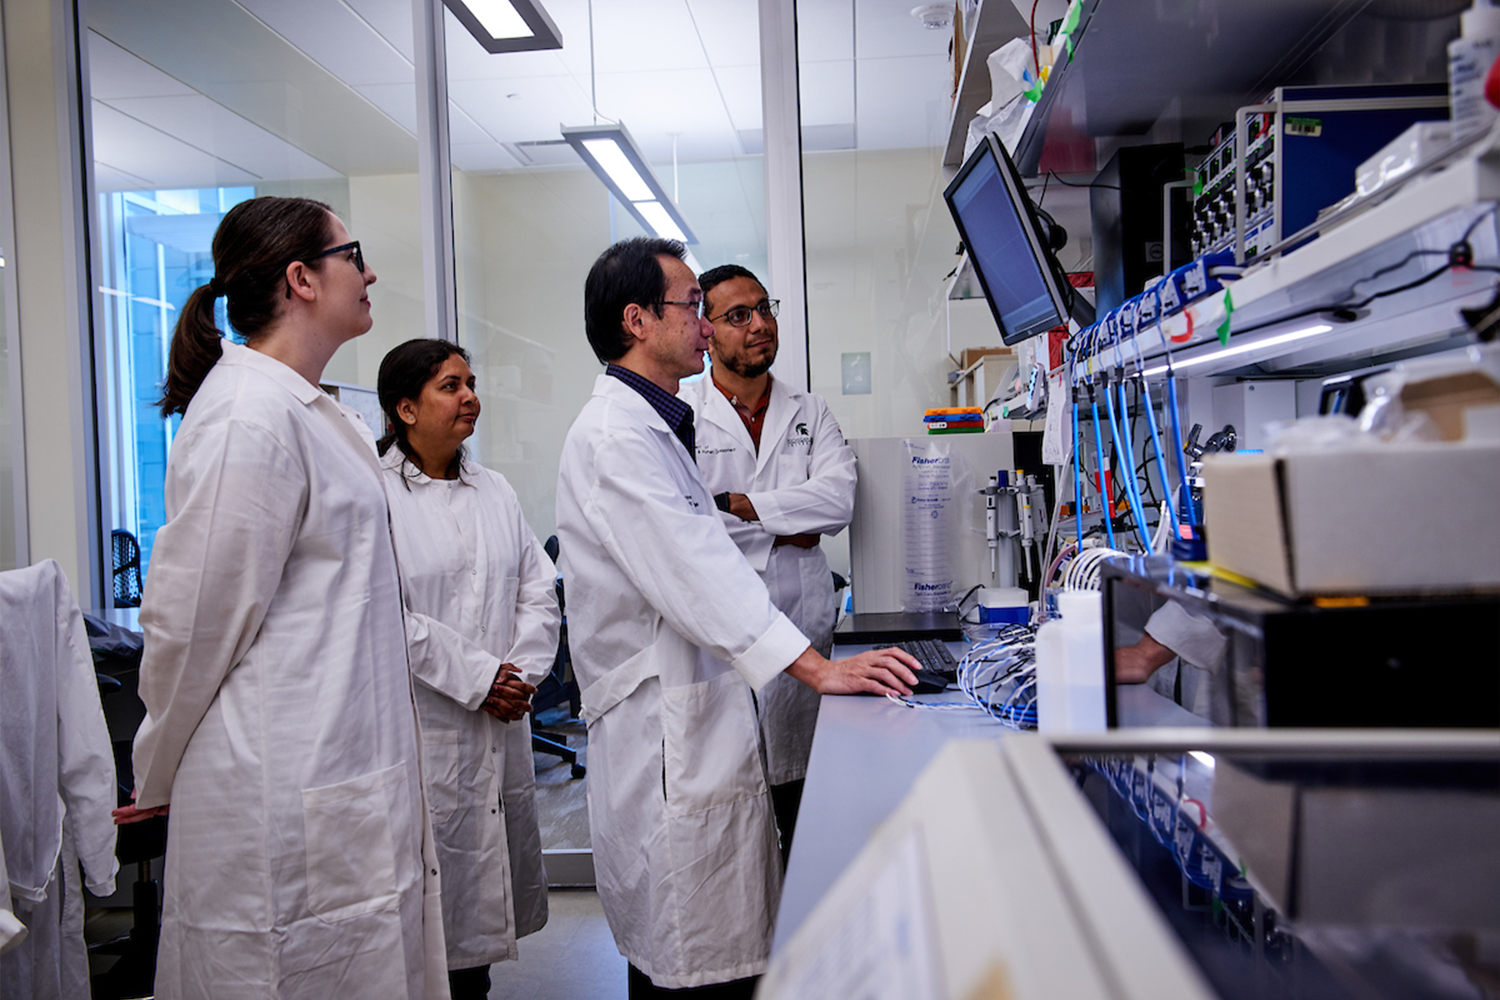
(255, 242)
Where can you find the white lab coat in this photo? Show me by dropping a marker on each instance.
(801, 482)
(667, 624)
(57, 784)
(480, 591)
(280, 719)
(1200, 649)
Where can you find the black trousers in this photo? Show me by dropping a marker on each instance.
(469, 984)
(785, 801)
(642, 988)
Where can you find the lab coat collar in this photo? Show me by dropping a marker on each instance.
(282, 374)
(307, 394)
(609, 387)
(718, 411)
(785, 404)
(394, 457)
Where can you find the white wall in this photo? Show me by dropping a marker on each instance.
(56, 375)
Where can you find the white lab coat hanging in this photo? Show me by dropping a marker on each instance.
(280, 718)
(479, 592)
(669, 630)
(57, 786)
(800, 482)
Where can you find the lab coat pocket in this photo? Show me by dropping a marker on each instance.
(791, 469)
(351, 855)
(441, 767)
(711, 745)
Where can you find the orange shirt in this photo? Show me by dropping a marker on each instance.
(755, 419)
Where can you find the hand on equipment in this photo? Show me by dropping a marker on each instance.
(877, 671)
(130, 814)
(510, 697)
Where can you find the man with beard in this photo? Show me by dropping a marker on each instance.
(783, 476)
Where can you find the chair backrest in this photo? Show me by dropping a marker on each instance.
(127, 568)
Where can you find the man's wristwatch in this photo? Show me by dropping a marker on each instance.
(721, 501)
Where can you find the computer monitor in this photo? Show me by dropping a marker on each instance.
(1021, 278)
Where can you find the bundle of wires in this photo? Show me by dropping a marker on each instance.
(1082, 572)
(998, 675)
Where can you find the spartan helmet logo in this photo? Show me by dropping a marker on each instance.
(802, 429)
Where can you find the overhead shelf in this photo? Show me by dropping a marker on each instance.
(998, 22)
(1283, 320)
(1182, 69)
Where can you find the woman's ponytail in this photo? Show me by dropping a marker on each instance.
(195, 349)
(252, 247)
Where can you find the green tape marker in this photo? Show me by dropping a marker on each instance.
(1228, 312)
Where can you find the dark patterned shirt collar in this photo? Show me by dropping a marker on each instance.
(677, 414)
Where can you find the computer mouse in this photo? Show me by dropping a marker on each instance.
(929, 682)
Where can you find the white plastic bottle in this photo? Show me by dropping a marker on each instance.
(1083, 640)
(1051, 677)
(1470, 57)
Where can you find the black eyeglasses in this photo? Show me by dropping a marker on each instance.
(740, 315)
(696, 307)
(357, 257)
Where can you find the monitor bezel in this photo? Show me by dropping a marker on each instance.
(1045, 261)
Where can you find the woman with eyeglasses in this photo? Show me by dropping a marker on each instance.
(280, 724)
(482, 625)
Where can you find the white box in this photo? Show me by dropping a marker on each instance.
(1387, 519)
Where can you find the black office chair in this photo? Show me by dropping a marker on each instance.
(558, 687)
(117, 658)
(127, 568)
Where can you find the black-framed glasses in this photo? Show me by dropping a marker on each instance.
(740, 315)
(696, 307)
(358, 256)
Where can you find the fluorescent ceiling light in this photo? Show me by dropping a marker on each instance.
(1227, 352)
(660, 221)
(613, 161)
(507, 25)
(613, 155)
(498, 18)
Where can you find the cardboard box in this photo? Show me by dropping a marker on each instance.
(1389, 519)
(973, 354)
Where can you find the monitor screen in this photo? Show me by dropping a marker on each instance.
(997, 224)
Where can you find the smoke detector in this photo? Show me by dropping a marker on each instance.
(934, 16)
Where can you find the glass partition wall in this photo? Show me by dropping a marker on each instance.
(201, 106)
(530, 218)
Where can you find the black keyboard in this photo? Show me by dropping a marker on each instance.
(933, 655)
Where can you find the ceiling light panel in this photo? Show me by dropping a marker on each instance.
(498, 18)
(497, 30)
(660, 221)
(613, 155)
(613, 161)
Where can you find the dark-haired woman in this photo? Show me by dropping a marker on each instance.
(482, 625)
(280, 725)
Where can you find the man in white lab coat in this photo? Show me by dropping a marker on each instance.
(776, 461)
(670, 629)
